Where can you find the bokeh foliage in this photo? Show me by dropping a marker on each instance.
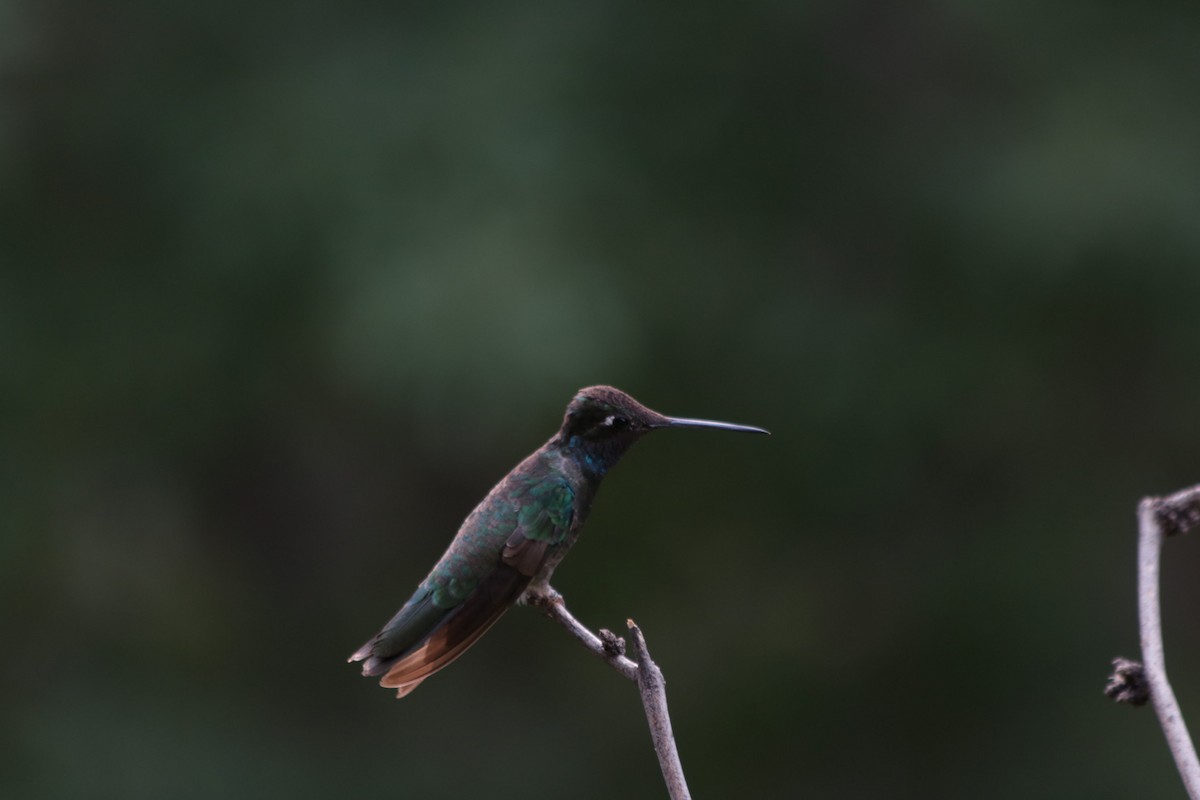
(287, 286)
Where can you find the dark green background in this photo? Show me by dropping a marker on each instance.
(287, 286)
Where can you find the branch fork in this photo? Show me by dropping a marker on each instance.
(610, 649)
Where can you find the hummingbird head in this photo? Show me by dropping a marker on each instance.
(602, 422)
(605, 414)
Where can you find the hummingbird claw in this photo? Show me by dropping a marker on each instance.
(540, 595)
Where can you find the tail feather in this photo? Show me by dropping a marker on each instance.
(450, 638)
(433, 656)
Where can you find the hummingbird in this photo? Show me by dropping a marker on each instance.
(508, 546)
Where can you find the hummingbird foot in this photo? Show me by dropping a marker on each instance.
(540, 594)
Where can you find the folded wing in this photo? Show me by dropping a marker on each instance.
(456, 605)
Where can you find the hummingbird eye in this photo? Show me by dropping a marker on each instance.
(602, 426)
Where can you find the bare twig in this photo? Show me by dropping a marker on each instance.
(653, 688)
(610, 649)
(1157, 518)
(651, 684)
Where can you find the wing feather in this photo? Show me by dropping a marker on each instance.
(465, 593)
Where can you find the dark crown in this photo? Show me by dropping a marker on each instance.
(604, 411)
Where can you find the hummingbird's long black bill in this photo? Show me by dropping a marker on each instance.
(683, 422)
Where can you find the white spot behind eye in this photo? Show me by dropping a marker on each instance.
(608, 421)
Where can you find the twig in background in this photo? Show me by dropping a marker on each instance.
(1157, 519)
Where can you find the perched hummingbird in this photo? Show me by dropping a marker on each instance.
(514, 538)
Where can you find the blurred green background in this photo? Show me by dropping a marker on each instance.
(287, 287)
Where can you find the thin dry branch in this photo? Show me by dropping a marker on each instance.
(653, 688)
(1157, 519)
(1151, 513)
(610, 648)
